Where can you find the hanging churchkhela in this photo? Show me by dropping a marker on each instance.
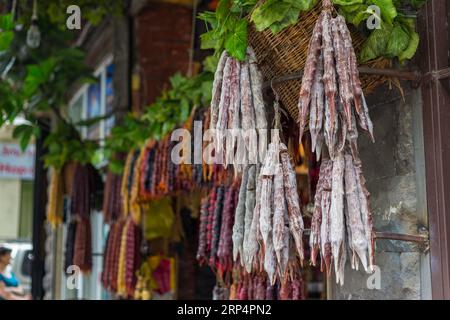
(216, 224)
(257, 286)
(84, 198)
(237, 111)
(268, 229)
(332, 98)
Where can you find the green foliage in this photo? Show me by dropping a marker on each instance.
(6, 32)
(169, 111)
(236, 41)
(399, 40)
(64, 144)
(93, 11)
(387, 7)
(277, 15)
(397, 37)
(229, 30)
(24, 133)
(35, 81)
(229, 24)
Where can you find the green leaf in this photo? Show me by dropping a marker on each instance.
(411, 49)
(91, 121)
(236, 42)
(269, 12)
(185, 109)
(290, 18)
(398, 41)
(418, 3)
(375, 45)
(24, 133)
(6, 22)
(6, 38)
(210, 63)
(387, 8)
(210, 40)
(116, 166)
(354, 14)
(303, 5)
(223, 10)
(166, 128)
(347, 2)
(208, 17)
(177, 80)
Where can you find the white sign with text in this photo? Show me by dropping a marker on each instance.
(15, 164)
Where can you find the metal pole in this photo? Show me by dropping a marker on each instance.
(39, 204)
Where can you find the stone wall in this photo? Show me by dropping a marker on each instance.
(394, 169)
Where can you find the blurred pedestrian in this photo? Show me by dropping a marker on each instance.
(10, 288)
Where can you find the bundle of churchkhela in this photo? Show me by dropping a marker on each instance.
(331, 86)
(332, 98)
(84, 198)
(237, 111)
(55, 199)
(152, 174)
(122, 258)
(268, 226)
(112, 204)
(216, 224)
(342, 219)
(257, 286)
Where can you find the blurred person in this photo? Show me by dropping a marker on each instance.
(10, 288)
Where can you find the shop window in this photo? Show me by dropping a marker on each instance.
(91, 101)
(95, 100)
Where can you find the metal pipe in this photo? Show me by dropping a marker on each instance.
(393, 236)
(392, 73)
(401, 237)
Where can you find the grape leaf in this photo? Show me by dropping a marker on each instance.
(347, 2)
(411, 49)
(303, 5)
(398, 41)
(290, 18)
(269, 12)
(375, 45)
(236, 41)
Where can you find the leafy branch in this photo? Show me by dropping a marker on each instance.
(228, 25)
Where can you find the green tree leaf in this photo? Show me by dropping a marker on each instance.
(236, 42)
(24, 133)
(6, 38)
(223, 10)
(6, 23)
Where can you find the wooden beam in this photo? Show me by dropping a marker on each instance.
(434, 49)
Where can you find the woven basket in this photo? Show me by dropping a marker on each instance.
(285, 53)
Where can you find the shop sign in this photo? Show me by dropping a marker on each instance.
(15, 164)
